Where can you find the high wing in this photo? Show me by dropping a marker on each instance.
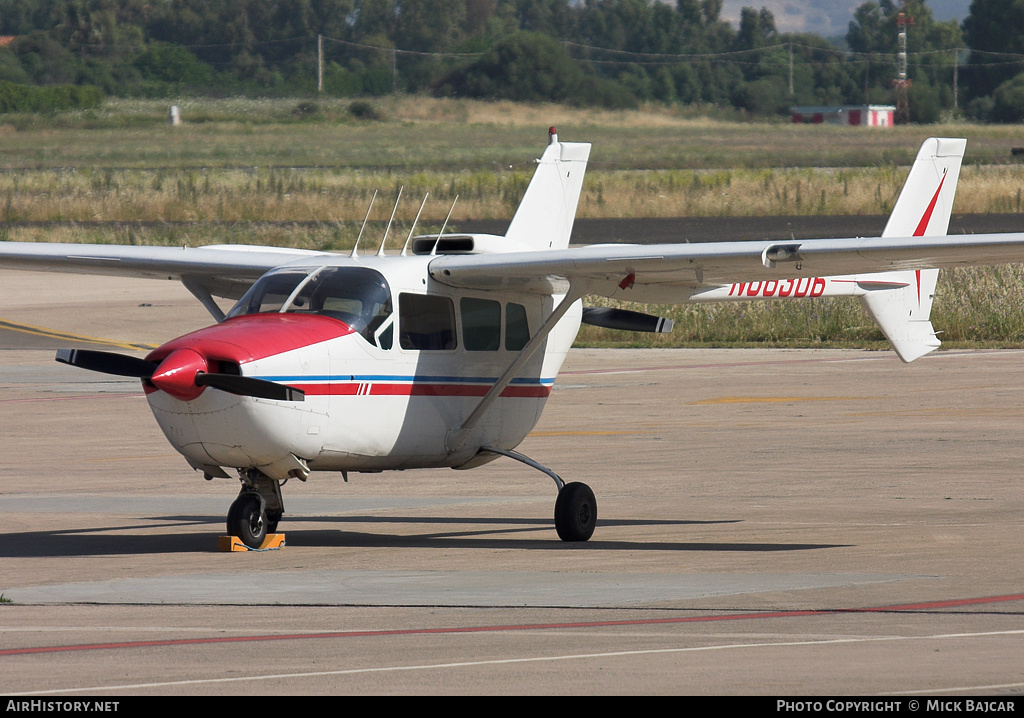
(212, 271)
(670, 273)
(218, 264)
(914, 239)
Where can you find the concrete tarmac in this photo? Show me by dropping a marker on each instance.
(771, 522)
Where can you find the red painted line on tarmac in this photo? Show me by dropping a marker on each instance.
(944, 604)
(930, 605)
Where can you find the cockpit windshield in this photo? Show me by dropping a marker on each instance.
(358, 296)
(269, 293)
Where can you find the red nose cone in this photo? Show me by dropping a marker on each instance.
(177, 374)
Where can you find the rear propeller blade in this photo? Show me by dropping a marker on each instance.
(247, 386)
(107, 362)
(623, 319)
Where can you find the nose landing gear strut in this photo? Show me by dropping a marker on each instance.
(257, 510)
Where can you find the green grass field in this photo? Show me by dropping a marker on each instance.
(419, 134)
(240, 170)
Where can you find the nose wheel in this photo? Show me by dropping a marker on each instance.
(247, 519)
(257, 510)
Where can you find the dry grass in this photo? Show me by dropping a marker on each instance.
(973, 307)
(343, 196)
(538, 115)
(322, 237)
(245, 160)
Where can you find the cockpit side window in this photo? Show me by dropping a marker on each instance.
(426, 322)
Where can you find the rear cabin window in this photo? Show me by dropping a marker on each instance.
(426, 322)
(481, 324)
(517, 330)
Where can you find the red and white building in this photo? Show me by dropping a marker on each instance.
(851, 115)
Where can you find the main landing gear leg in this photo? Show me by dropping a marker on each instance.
(257, 510)
(575, 507)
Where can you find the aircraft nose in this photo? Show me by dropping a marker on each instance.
(176, 374)
(215, 356)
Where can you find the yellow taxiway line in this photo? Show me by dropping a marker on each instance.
(54, 334)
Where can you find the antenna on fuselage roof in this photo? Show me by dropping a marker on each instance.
(354, 248)
(433, 250)
(413, 228)
(380, 249)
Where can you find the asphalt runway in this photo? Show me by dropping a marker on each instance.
(772, 522)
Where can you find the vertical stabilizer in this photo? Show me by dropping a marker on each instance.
(922, 210)
(926, 201)
(545, 216)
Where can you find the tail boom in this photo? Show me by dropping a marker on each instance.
(900, 302)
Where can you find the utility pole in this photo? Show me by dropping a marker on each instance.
(903, 21)
(867, 74)
(319, 64)
(956, 73)
(394, 71)
(790, 69)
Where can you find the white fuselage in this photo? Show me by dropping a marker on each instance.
(371, 403)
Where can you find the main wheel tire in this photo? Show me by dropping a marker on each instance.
(575, 512)
(247, 521)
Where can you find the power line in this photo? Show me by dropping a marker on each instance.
(659, 58)
(400, 51)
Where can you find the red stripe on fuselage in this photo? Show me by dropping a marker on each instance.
(390, 389)
(256, 336)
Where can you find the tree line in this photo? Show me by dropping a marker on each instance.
(610, 53)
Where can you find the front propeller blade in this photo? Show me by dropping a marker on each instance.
(182, 374)
(107, 362)
(248, 386)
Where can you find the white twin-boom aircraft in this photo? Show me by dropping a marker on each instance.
(444, 355)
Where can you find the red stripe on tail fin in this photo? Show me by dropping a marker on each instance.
(923, 224)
